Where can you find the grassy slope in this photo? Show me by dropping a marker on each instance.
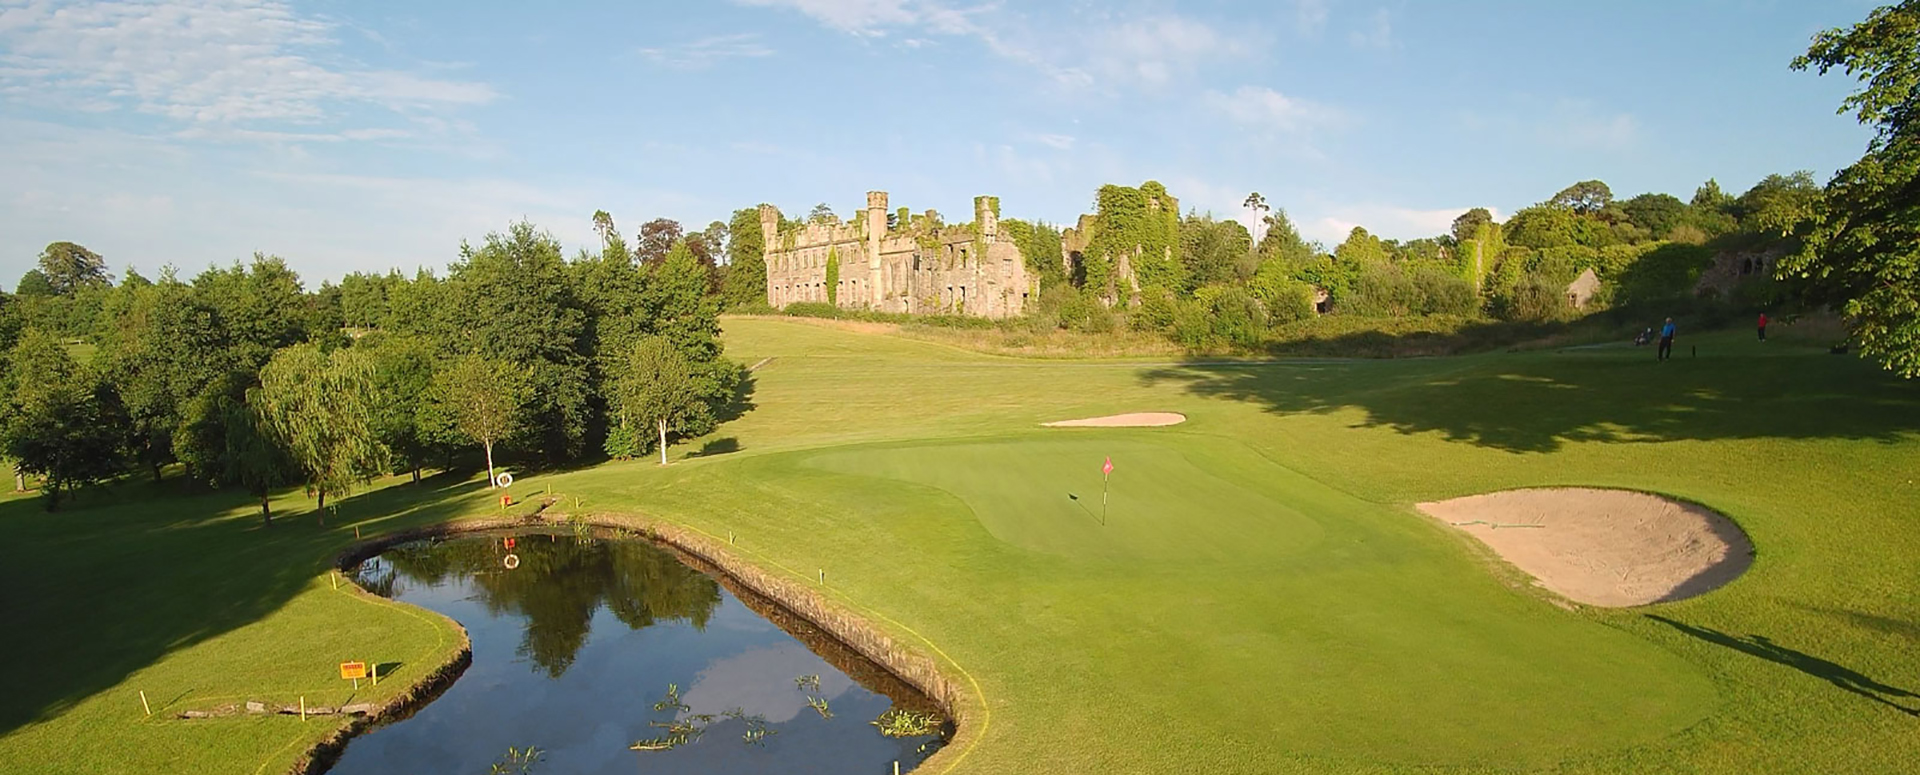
(189, 600)
(1265, 599)
(1344, 633)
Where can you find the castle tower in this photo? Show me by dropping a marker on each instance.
(986, 213)
(770, 241)
(876, 231)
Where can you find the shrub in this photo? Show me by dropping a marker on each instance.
(1238, 318)
(1441, 293)
(811, 309)
(1156, 311)
(1381, 290)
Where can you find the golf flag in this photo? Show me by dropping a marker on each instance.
(1106, 469)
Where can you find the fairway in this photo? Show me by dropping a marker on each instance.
(1263, 596)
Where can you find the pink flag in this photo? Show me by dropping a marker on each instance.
(1107, 468)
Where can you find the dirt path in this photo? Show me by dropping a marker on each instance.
(1611, 548)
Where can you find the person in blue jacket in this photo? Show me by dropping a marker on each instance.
(1666, 340)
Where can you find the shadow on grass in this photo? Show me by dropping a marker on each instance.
(715, 447)
(1537, 402)
(1844, 678)
(117, 580)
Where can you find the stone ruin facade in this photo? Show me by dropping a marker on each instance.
(918, 265)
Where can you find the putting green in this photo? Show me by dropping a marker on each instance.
(1045, 494)
(1321, 623)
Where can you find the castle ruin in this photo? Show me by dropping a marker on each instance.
(917, 265)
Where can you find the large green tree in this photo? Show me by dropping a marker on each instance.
(69, 268)
(746, 258)
(1862, 247)
(486, 398)
(511, 299)
(317, 407)
(658, 388)
(60, 420)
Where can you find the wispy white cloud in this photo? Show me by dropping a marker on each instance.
(1378, 32)
(1582, 124)
(1059, 142)
(859, 17)
(1310, 16)
(1143, 51)
(1263, 109)
(706, 52)
(1332, 225)
(207, 63)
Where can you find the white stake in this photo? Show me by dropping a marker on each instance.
(143, 703)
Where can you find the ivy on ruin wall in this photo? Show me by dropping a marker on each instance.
(1142, 223)
(833, 276)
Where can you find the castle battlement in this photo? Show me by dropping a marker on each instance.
(917, 264)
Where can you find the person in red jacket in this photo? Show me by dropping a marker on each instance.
(1763, 326)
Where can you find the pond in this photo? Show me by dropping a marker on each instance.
(586, 646)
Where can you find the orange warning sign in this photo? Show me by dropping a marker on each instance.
(353, 671)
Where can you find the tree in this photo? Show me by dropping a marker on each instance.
(33, 284)
(1361, 248)
(1282, 241)
(656, 238)
(1657, 213)
(1258, 204)
(485, 397)
(658, 388)
(603, 226)
(59, 421)
(162, 347)
(1862, 249)
(820, 212)
(315, 405)
(404, 369)
(1709, 196)
(247, 454)
(1585, 197)
(1214, 251)
(1778, 204)
(69, 268)
(1468, 224)
(513, 299)
(746, 261)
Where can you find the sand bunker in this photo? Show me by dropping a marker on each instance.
(1133, 420)
(1611, 548)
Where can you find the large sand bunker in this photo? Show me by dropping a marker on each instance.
(1132, 420)
(1609, 548)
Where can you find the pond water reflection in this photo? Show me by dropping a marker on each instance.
(587, 646)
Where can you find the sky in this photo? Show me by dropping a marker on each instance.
(360, 136)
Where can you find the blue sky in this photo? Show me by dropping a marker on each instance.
(364, 135)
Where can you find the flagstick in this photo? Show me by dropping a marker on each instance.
(1103, 499)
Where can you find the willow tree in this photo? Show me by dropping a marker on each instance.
(316, 407)
(659, 387)
(485, 397)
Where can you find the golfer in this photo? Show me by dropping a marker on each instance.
(1666, 340)
(1763, 326)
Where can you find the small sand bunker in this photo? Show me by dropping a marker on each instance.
(1610, 548)
(1133, 420)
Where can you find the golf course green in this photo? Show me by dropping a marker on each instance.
(1257, 594)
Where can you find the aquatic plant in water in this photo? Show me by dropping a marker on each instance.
(807, 682)
(517, 761)
(672, 700)
(819, 705)
(907, 723)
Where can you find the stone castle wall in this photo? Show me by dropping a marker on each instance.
(919, 266)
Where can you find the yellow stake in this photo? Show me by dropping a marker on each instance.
(375, 667)
(303, 707)
(143, 702)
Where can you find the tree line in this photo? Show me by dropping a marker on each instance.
(241, 378)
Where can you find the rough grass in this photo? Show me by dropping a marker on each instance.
(190, 600)
(1263, 599)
